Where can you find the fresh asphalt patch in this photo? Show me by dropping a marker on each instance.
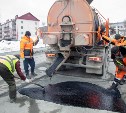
(81, 94)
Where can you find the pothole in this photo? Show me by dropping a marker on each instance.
(81, 94)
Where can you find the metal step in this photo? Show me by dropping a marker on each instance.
(55, 65)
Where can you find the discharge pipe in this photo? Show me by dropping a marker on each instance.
(89, 1)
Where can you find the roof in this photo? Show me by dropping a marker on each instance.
(28, 16)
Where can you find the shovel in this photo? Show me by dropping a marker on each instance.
(34, 84)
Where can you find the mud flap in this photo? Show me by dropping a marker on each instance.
(57, 63)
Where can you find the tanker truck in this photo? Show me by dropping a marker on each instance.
(73, 36)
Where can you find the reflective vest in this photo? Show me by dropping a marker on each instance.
(26, 47)
(112, 41)
(9, 61)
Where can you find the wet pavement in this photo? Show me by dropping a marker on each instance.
(25, 104)
(81, 94)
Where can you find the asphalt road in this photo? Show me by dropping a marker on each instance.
(25, 104)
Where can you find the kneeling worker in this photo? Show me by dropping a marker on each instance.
(8, 65)
(118, 54)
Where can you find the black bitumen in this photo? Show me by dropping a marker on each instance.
(81, 94)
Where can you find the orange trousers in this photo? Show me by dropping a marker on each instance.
(119, 73)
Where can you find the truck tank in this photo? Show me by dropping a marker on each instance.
(74, 37)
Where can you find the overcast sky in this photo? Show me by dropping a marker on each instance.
(112, 9)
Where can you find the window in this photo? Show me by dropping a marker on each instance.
(21, 21)
(21, 27)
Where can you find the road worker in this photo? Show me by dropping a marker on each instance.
(119, 60)
(117, 41)
(8, 65)
(26, 52)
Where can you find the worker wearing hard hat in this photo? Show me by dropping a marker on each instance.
(26, 52)
(119, 59)
(8, 65)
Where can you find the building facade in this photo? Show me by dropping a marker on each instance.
(119, 28)
(14, 29)
(9, 30)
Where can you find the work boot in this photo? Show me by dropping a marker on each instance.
(114, 87)
(33, 74)
(118, 93)
(27, 76)
(13, 100)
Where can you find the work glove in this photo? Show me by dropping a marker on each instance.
(27, 80)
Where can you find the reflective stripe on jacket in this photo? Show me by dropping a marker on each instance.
(9, 61)
(26, 47)
(111, 41)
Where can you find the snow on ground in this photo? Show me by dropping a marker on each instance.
(8, 46)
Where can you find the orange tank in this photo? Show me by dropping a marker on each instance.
(76, 20)
(74, 32)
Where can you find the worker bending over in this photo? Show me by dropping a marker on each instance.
(8, 65)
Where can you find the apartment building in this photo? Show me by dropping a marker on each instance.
(26, 22)
(119, 28)
(9, 30)
(15, 28)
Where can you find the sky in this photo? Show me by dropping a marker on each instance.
(112, 9)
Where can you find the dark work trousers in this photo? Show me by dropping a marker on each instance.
(9, 79)
(27, 62)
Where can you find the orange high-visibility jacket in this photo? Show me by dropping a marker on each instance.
(112, 41)
(120, 63)
(123, 43)
(26, 47)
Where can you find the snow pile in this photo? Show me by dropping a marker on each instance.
(8, 46)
